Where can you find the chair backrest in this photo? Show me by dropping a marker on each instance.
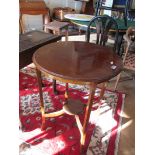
(129, 41)
(129, 49)
(112, 5)
(102, 5)
(122, 10)
(103, 26)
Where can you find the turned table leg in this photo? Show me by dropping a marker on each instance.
(87, 112)
(41, 98)
(55, 91)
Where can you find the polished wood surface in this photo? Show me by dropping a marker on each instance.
(29, 42)
(78, 61)
(33, 7)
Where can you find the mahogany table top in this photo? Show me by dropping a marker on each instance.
(78, 61)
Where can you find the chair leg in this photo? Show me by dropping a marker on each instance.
(125, 18)
(116, 83)
(119, 43)
(104, 85)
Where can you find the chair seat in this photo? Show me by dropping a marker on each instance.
(130, 61)
(73, 107)
(56, 25)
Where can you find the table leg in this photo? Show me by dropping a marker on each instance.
(54, 81)
(87, 112)
(41, 98)
(20, 124)
(66, 92)
(54, 87)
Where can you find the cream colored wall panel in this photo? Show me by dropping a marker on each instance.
(32, 22)
(133, 4)
(63, 3)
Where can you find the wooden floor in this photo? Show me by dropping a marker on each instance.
(127, 137)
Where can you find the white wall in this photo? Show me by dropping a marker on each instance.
(36, 22)
(63, 3)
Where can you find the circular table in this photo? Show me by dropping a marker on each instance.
(77, 63)
(121, 26)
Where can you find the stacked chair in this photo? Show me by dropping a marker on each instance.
(129, 52)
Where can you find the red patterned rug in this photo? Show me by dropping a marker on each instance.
(61, 136)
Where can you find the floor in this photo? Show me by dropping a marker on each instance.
(127, 137)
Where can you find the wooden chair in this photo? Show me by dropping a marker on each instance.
(37, 7)
(129, 52)
(102, 26)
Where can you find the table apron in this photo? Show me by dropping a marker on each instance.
(66, 80)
